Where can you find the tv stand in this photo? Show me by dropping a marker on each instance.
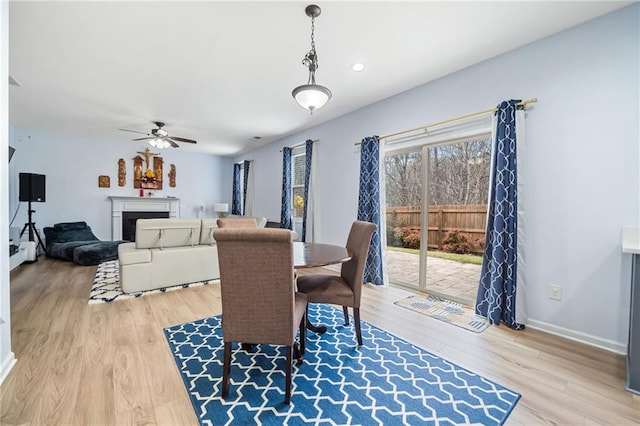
(18, 257)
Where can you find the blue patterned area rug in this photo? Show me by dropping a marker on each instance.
(386, 381)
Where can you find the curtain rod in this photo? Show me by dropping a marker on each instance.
(451, 120)
(302, 144)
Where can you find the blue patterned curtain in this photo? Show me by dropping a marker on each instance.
(285, 211)
(308, 150)
(369, 205)
(496, 298)
(247, 165)
(236, 206)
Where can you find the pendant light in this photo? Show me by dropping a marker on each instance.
(311, 96)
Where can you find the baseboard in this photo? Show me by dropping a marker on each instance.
(6, 366)
(587, 339)
(609, 345)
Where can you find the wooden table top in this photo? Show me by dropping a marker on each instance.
(313, 255)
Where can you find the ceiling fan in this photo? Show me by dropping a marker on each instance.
(159, 138)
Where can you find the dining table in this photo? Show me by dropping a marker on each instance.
(315, 255)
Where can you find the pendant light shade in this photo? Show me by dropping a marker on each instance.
(311, 96)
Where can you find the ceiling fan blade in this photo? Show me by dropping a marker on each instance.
(144, 139)
(183, 139)
(172, 142)
(134, 131)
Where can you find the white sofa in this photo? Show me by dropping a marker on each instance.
(168, 252)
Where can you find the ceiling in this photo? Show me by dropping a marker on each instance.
(222, 72)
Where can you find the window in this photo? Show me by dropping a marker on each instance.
(297, 182)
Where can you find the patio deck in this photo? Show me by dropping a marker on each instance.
(447, 278)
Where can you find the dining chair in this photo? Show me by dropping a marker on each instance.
(259, 301)
(238, 222)
(344, 290)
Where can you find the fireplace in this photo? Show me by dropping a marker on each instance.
(141, 207)
(129, 222)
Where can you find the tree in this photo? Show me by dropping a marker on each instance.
(458, 174)
(404, 179)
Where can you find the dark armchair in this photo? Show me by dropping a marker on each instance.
(76, 242)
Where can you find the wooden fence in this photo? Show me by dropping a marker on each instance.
(468, 220)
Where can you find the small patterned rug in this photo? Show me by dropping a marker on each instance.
(445, 310)
(387, 381)
(106, 285)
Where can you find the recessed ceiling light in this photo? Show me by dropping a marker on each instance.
(357, 67)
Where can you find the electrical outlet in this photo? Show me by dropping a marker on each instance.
(555, 292)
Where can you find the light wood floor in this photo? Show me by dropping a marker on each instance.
(108, 364)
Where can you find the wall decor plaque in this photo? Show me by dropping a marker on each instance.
(104, 181)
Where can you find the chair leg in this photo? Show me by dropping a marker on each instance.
(287, 392)
(356, 320)
(296, 352)
(247, 346)
(345, 310)
(319, 329)
(226, 368)
(303, 333)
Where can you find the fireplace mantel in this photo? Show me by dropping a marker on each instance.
(139, 204)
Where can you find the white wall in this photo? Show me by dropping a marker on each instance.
(581, 165)
(7, 359)
(72, 166)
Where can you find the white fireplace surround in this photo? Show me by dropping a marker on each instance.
(139, 204)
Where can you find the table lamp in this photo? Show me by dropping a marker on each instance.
(221, 209)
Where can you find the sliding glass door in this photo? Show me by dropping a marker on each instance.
(404, 192)
(436, 214)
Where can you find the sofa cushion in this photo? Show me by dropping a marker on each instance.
(50, 235)
(182, 265)
(128, 254)
(77, 235)
(65, 250)
(206, 233)
(166, 233)
(95, 253)
(64, 234)
(70, 226)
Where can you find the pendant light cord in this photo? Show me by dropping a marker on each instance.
(311, 59)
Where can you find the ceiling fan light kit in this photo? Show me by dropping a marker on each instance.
(159, 138)
(159, 143)
(311, 96)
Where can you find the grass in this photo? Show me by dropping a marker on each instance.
(462, 258)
